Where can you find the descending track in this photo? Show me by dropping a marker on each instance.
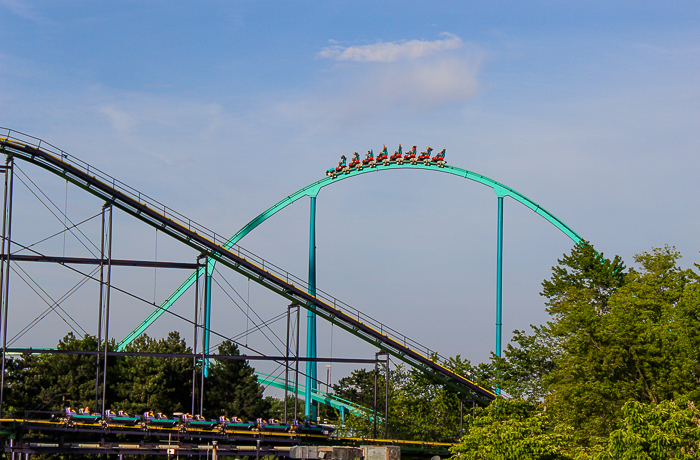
(26, 148)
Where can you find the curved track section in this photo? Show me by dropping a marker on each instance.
(312, 190)
(211, 244)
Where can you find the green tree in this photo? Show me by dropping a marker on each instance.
(664, 431)
(232, 388)
(513, 429)
(154, 383)
(51, 382)
(622, 335)
(420, 407)
(526, 363)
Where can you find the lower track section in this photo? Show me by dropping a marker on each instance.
(31, 436)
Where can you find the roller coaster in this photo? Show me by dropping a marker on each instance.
(215, 248)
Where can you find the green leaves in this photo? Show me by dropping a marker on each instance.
(513, 429)
(662, 431)
(232, 388)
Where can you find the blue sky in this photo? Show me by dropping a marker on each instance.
(220, 109)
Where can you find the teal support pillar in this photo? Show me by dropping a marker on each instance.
(499, 278)
(310, 406)
(207, 315)
(499, 281)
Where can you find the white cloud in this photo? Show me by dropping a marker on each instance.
(356, 96)
(392, 51)
(24, 10)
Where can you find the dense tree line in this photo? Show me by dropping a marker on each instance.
(614, 373)
(134, 384)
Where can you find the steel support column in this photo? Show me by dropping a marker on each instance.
(286, 364)
(310, 406)
(207, 314)
(205, 334)
(374, 413)
(194, 341)
(499, 277)
(107, 298)
(296, 371)
(386, 398)
(5, 267)
(100, 311)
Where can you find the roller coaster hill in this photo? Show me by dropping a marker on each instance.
(106, 431)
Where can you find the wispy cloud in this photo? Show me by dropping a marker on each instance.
(391, 51)
(440, 73)
(24, 10)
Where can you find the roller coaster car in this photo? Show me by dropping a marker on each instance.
(198, 421)
(273, 425)
(310, 427)
(397, 156)
(159, 420)
(369, 160)
(425, 156)
(121, 417)
(341, 168)
(355, 162)
(440, 158)
(411, 156)
(82, 416)
(383, 156)
(235, 423)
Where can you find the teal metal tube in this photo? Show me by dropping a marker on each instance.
(499, 278)
(310, 406)
(499, 282)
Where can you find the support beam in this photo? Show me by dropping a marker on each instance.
(280, 359)
(310, 406)
(205, 334)
(88, 261)
(5, 268)
(499, 278)
(108, 288)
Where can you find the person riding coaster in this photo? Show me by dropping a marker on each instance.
(355, 162)
(411, 156)
(369, 159)
(342, 167)
(397, 156)
(383, 156)
(440, 158)
(425, 156)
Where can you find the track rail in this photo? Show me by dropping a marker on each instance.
(208, 242)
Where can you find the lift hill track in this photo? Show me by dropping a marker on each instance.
(211, 244)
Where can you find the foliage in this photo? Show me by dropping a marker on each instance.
(623, 335)
(513, 429)
(526, 363)
(420, 407)
(157, 384)
(51, 382)
(233, 388)
(663, 431)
